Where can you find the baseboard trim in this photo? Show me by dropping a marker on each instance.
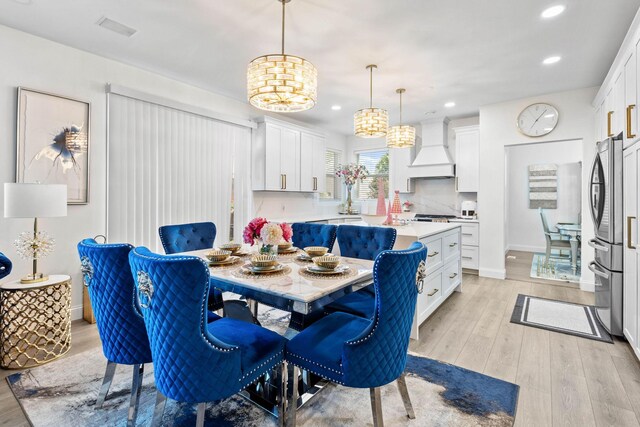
(493, 273)
(587, 286)
(76, 312)
(525, 248)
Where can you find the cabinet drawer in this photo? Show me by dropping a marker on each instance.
(470, 258)
(451, 246)
(451, 277)
(470, 234)
(434, 254)
(431, 294)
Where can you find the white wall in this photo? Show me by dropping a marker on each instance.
(40, 64)
(498, 130)
(524, 227)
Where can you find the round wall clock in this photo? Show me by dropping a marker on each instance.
(538, 119)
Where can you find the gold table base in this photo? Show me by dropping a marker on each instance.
(35, 324)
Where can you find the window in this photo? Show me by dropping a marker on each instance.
(332, 183)
(377, 163)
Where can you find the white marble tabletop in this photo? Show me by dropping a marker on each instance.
(292, 286)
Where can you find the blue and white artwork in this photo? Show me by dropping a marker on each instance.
(543, 186)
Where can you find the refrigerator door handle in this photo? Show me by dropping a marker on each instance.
(594, 244)
(596, 271)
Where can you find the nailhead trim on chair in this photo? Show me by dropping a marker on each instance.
(316, 372)
(263, 363)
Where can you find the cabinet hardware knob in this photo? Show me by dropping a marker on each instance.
(629, 109)
(452, 245)
(629, 241)
(285, 181)
(451, 276)
(408, 185)
(609, 114)
(433, 292)
(433, 254)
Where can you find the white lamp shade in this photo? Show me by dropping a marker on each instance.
(34, 200)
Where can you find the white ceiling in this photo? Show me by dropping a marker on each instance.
(473, 52)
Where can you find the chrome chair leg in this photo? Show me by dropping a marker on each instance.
(158, 411)
(136, 388)
(282, 397)
(376, 407)
(202, 408)
(293, 403)
(406, 399)
(106, 383)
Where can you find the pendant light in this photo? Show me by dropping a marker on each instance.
(371, 122)
(401, 136)
(282, 83)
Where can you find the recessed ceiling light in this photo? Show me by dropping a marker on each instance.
(450, 104)
(552, 11)
(551, 60)
(548, 116)
(336, 107)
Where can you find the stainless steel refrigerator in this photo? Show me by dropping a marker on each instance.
(606, 211)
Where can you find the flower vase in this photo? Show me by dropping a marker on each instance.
(349, 201)
(269, 250)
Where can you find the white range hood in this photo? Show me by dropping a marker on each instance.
(433, 159)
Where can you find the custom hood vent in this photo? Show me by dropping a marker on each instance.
(433, 159)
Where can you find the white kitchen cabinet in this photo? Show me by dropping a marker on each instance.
(631, 288)
(618, 120)
(630, 113)
(467, 158)
(312, 165)
(287, 157)
(399, 161)
(470, 241)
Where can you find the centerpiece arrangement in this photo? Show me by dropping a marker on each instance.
(350, 174)
(269, 235)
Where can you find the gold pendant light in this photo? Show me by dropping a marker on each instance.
(282, 83)
(371, 122)
(401, 136)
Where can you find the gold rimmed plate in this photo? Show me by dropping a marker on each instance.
(263, 270)
(227, 261)
(321, 270)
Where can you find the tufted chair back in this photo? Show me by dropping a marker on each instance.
(107, 276)
(190, 365)
(5, 266)
(365, 242)
(379, 354)
(187, 237)
(305, 234)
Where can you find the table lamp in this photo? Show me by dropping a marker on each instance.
(34, 201)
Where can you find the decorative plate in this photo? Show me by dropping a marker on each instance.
(327, 271)
(289, 250)
(232, 260)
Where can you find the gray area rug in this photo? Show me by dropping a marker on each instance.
(559, 316)
(63, 393)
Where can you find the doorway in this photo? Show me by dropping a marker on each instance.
(543, 184)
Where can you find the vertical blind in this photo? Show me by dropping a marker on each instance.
(168, 166)
(331, 161)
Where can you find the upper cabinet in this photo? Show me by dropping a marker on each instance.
(287, 158)
(467, 158)
(399, 161)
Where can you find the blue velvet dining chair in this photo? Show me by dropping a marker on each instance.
(306, 234)
(191, 237)
(107, 276)
(362, 243)
(5, 266)
(196, 361)
(366, 353)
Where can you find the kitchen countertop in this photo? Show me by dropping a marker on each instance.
(313, 218)
(418, 230)
(462, 220)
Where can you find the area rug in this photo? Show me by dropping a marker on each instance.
(557, 268)
(63, 393)
(559, 316)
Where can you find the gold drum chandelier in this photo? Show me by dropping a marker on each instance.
(282, 83)
(401, 136)
(371, 122)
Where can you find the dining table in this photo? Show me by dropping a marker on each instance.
(294, 289)
(573, 231)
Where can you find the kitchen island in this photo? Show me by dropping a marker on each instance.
(444, 270)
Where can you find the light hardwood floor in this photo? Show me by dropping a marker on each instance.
(564, 380)
(518, 266)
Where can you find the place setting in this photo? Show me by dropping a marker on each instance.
(222, 258)
(326, 266)
(286, 249)
(263, 265)
(310, 252)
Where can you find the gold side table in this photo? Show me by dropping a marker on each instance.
(35, 322)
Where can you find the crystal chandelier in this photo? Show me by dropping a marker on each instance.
(401, 136)
(282, 83)
(371, 122)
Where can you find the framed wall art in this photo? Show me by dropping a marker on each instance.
(53, 142)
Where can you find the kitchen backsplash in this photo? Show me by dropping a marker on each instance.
(290, 205)
(437, 196)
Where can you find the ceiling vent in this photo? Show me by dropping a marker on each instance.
(116, 27)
